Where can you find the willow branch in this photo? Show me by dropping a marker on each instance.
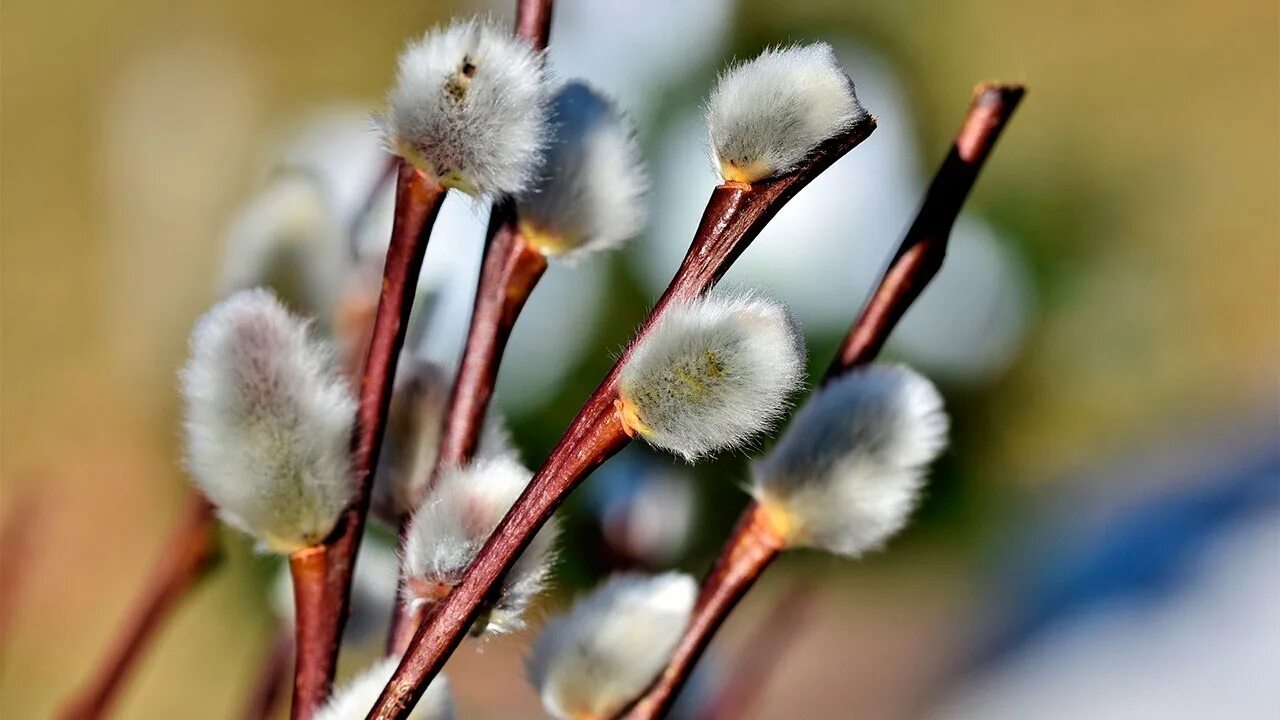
(189, 553)
(735, 215)
(914, 263)
(759, 656)
(325, 571)
(270, 680)
(533, 21)
(17, 551)
(920, 254)
(510, 271)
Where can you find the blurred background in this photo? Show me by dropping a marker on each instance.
(1102, 540)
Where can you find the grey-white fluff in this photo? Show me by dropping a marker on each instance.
(590, 192)
(453, 522)
(469, 107)
(353, 700)
(593, 660)
(712, 373)
(289, 237)
(766, 115)
(268, 422)
(847, 473)
(415, 423)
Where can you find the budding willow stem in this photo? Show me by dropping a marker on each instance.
(737, 695)
(510, 272)
(920, 254)
(418, 201)
(735, 215)
(270, 678)
(914, 263)
(751, 547)
(533, 21)
(190, 552)
(311, 680)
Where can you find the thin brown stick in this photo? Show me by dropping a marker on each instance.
(914, 263)
(271, 678)
(751, 547)
(920, 254)
(511, 270)
(533, 21)
(311, 681)
(735, 215)
(190, 552)
(738, 693)
(16, 554)
(418, 200)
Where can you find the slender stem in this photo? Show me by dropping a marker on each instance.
(735, 215)
(17, 551)
(271, 678)
(751, 547)
(920, 254)
(189, 553)
(312, 682)
(418, 200)
(738, 693)
(533, 21)
(511, 270)
(916, 261)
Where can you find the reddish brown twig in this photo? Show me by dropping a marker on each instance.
(533, 21)
(511, 270)
(751, 547)
(914, 263)
(735, 215)
(189, 553)
(738, 693)
(322, 603)
(271, 678)
(920, 254)
(16, 553)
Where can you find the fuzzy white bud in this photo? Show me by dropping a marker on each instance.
(289, 238)
(268, 422)
(846, 474)
(415, 424)
(590, 190)
(448, 529)
(767, 114)
(352, 701)
(469, 108)
(592, 661)
(712, 373)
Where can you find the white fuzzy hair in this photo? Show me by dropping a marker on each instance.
(353, 700)
(448, 529)
(290, 238)
(713, 372)
(268, 422)
(415, 424)
(590, 190)
(470, 108)
(847, 472)
(766, 115)
(593, 660)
